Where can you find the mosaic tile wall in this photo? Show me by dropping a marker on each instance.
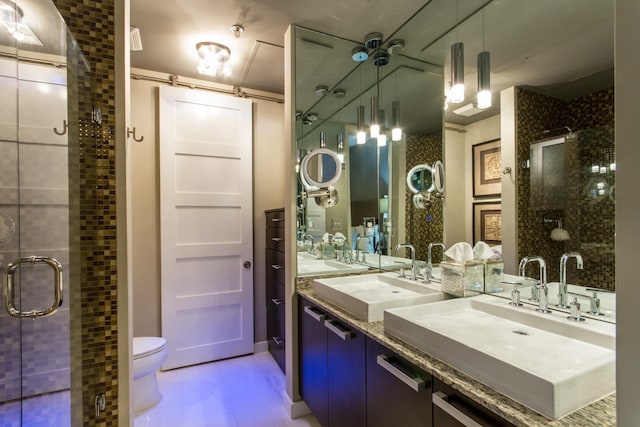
(589, 218)
(94, 331)
(424, 226)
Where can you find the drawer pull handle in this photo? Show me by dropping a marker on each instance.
(276, 219)
(277, 266)
(277, 301)
(440, 400)
(276, 239)
(416, 383)
(314, 313)
(278, 340)
(336, 329)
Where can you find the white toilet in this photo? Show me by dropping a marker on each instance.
(148, 355)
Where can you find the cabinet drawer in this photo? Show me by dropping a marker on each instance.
(398, 393)
(453, 409)
(275, 267)
(275, 239)
(275, 219)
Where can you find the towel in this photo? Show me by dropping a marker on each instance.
(482, 251)
(460, 252)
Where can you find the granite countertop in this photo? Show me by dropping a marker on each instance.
(601, 413)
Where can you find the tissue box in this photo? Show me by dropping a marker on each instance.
(462, 279)
(493, 275)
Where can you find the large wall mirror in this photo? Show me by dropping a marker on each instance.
(558, 57)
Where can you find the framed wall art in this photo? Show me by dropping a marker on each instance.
(487, 169)
(487, 222)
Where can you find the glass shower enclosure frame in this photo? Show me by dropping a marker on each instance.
(42, 74)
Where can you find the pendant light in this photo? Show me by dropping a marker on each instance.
(396, 131)
(484, 69)
(456, 93)
(361, 134)
(340, 149)
(382, 137)
(375, 125)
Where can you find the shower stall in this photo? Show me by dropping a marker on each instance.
(42, 74)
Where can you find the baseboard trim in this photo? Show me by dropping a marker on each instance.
(296, 409)
(261, 346)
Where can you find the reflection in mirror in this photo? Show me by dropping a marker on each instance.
(544, 93)
(420, 178)
(321, 168)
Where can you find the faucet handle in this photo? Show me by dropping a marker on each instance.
(574, 306)
(515, 293)
(595, 301)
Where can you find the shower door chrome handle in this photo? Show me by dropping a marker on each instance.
(9, 302)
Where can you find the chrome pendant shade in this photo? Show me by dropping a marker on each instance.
(484, 80)
(456, 93)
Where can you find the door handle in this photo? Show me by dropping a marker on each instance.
(314, 313)
(9, 302)
(247, 264)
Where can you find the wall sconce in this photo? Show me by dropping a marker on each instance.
(213, 59)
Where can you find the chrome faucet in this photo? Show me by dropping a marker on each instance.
(562, 288)
(541, 288)
(412, 251)
(429, 270)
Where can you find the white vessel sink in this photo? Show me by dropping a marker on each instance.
(545, 361)
(315, 267)
(366, 296)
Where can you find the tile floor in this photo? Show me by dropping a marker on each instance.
(241, 392)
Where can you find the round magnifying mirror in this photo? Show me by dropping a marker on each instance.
(320, 168)
(438, 176)
(420, 179)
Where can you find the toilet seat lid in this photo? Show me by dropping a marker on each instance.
(146, 346)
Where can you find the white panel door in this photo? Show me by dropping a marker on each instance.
(206, 225)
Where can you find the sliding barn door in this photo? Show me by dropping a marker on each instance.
(206, 225)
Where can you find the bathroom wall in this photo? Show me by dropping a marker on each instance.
(268, 193)
(588, 220)
(424, 226)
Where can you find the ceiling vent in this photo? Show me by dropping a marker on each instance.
(468, 110)
(135, 39)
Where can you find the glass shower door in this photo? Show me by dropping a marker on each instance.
(34, 216)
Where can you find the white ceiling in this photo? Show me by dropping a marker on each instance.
(562, 47)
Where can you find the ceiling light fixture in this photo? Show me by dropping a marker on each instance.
(359, 54)
(396, 131)
(213, 59)
(361, 133)
(237, 30)
(484, 70)
(456, 93)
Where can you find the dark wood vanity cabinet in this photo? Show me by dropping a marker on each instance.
(274, 282)
(452, 409)
(398, 393)
(332, 368)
